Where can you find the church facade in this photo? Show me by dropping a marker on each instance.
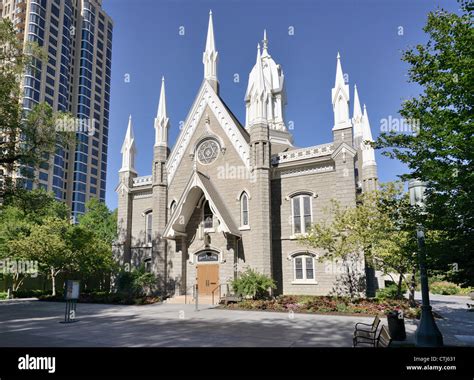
(227, 196)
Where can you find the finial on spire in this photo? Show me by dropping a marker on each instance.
(161, 120)
(265, 44)
(209, 57)
(339, 73)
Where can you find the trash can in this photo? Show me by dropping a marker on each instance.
(396, 325)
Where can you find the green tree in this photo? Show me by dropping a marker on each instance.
(91, 255)
(99, 219)
(18, 216)
(47, 243)
(440, 151)
(381, 228)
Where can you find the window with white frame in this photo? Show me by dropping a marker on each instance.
(302, 213)
(148, 227)
(303, 266)
(208, 216)
(244, 210)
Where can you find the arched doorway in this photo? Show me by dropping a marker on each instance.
(207, 271)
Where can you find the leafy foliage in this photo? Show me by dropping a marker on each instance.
(253, 284)
(136, 283)
(391, 292)
(441, 152)
(381, 228)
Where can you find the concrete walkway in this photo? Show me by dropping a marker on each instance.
(35, 323)
(457, 325)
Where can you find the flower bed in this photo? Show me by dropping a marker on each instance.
(328, 305)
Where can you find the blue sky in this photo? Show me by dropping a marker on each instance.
(369, 34)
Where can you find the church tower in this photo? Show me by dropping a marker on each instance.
(210, 57)
(160, 184)
(344, 153)
(273, 79)
(260, 152)
(126, 175)
(342, 129)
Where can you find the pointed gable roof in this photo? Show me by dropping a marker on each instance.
(229, 124)
(197, 185)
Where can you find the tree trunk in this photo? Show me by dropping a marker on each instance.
(53, 281)
(399, 285)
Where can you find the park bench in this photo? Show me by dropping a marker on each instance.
(384, 339)
(365, 333)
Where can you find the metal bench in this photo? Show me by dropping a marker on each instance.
(365, 333)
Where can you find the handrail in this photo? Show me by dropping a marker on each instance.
(220, 293)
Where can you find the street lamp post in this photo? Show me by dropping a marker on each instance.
(427, 334)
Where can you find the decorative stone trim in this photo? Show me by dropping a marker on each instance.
(142, 181)
(303, 153)
(305, 171)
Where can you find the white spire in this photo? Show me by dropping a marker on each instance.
(260, 84)
(128, 149)
(368, 154)
(340, 99)
(265, 44)
(339, 73)
(357, 115)
(161, 120)
(258, 96)
(209, 58)
(162, 103)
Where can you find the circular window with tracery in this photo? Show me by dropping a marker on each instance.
(208, 151)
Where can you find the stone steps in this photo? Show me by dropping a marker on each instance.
(189, 300)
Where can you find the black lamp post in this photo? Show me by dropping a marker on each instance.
(427, 334)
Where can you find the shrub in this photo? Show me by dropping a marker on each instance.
(3, 295)
(445, 288)
(30, 293)
(136, 283)
(253, 284)
(390, 292)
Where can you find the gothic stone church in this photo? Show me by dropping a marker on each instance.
(228, 196)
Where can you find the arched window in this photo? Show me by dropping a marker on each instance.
(207, 217)
(302, 213)
(173, 207)
(244, 209)
(304, 268)
(148, 227)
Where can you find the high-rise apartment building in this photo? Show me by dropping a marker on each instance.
(75, 78)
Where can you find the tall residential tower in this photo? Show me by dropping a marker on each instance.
(75, 78)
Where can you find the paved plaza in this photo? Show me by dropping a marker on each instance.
(33, 323)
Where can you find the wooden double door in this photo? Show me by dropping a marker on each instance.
(207, 279)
